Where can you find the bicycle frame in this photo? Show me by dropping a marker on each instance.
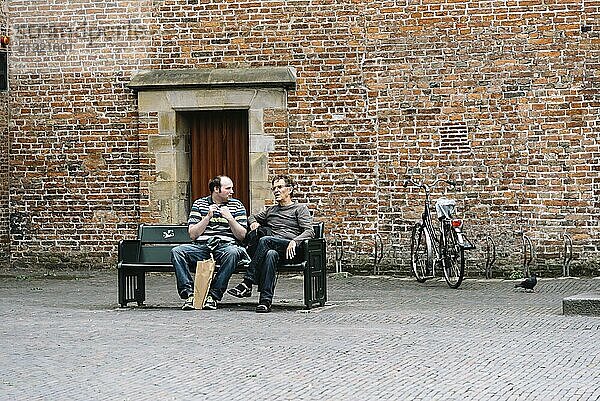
(427, 222)
(438, 241)
(432, 247)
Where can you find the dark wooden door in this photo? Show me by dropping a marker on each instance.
(219, 146)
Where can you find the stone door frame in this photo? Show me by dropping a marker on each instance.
(163, 96)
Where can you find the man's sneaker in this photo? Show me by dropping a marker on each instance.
(210, 303)
(189, 303)
(241, 291)
(263, 307)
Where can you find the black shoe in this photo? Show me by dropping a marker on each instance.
(189, 303)
(210, 303)
(263, 307)
(240, 291)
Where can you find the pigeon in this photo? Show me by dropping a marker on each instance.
(528, 283)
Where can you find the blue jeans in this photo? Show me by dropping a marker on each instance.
(263, 268)
(226, 255)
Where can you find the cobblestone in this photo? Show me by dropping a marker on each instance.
(379, 338)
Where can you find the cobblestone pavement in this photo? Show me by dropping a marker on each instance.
(380, 338)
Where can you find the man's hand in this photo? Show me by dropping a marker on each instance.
(254, 226)
(290, 252)
(212, 209)
(226, 213)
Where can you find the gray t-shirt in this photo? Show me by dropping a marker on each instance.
(292, 222)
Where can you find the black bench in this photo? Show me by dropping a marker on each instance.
(151, 252)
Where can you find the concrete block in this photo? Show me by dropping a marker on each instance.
(163, 190)
(160, 143)
(258, 167)
(587, 303)
(166, 166)
(262, 144)
(269, 99)
(166, 122)
(238, 98)
(255, 120)
(153, 101)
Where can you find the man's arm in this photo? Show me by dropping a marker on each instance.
(239, 231)
(305, 221)
(196, 230)
(197, 223)
(258, 219)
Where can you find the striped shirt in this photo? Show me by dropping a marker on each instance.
(218, 225)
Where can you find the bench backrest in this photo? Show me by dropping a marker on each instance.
(157, 241)
(178, 234)
(163, 234)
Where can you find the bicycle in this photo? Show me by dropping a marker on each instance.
(431, 247)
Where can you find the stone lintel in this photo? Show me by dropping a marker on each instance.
(214, 78)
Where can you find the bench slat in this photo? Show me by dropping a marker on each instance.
(157, 253)
(164, 234)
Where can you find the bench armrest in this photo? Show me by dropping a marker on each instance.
(312, 245)
(129, 251)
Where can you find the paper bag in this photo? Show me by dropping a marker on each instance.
(204, 274)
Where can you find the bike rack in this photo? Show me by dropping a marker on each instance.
(490, 256)
(396, 253)
(528, 254)
(377, 253)
(338, 245)
(568, 255)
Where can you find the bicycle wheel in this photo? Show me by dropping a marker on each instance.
(454, 258)
(420, 253)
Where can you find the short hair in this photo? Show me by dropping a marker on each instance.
(289, 182)
(215, 182)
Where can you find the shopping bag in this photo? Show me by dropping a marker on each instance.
(204, 274)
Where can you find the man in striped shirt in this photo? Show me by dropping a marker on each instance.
(217, 224)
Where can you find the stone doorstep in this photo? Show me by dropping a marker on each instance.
(587, 303)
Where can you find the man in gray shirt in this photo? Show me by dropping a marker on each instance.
(287, 224)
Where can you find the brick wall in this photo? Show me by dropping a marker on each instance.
(75, 155)
(4, 177)
(501, 96)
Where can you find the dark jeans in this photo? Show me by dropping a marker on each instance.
(263, 268)
(226, 255)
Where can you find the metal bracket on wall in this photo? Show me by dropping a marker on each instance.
(490, 256)
(338, 245)
(528, 254)
(396, 253)
(568, 255)
(377, 254)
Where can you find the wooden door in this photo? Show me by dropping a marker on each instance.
(219, 146)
